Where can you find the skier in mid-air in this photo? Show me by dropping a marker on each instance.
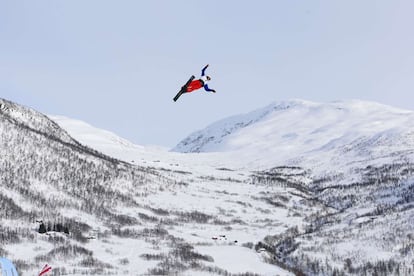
(201, 82)
(193, 85)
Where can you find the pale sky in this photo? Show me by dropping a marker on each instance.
(117, 64)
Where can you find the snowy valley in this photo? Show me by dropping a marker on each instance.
(294, 188)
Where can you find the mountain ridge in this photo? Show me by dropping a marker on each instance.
(299, 130)
(225, 127)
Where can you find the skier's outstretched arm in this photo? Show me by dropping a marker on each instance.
(203, 71)
(209, 89)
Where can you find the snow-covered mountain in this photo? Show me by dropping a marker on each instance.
(293, 188)
(287, 132)
(302, 125)
(360, 158)
(105, 216)
(356, 156)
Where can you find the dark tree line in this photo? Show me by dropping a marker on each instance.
(55, 227)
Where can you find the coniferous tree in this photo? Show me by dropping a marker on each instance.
(42, 228)
(59, 227)
(66, 230)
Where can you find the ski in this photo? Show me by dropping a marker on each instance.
(183, 88)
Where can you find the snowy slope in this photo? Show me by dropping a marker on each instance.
(125, 219)
(295, 187)
(111, 144)
(99, 139)
(88, 134)
(356, 157)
